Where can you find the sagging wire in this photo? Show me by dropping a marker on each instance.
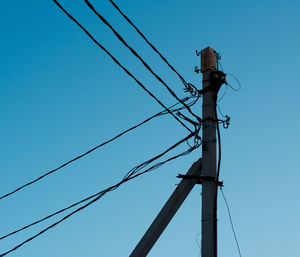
(198, 234)
(100, 145)
(239, 84)
(129, 176)
(231, 222)
(219, 99)
(219, 67)
(220, 111)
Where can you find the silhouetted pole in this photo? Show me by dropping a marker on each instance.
(208, 223)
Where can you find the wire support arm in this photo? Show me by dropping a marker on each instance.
(200, 179)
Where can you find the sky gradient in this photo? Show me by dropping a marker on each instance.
(61, 95)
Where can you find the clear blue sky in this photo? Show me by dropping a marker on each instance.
(60, 95)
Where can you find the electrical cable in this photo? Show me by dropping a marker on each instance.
(219, 100)
(231, 222)
(130, 173)
(218, 175)
(109, 189)
(220, 111)
(119, 64)
(217, 179)
(219, 146)
(199, 245)
(139, 167)
(94, 148)
(240, 86)
(187, 85)
(138, 56)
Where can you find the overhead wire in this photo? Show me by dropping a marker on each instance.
(231, 222)
(219, 100)
(93, 149)
(227, 121)
(186, 84)
(138, 56)
(216, 181)
(219, 146)
(99, 195)
(132, 171)
(219, 157)
(128, 174)
(119, 64)
(96, 147)
(230, 74)
(220, 111)
(240, 86)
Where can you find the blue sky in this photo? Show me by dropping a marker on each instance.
(60, 95)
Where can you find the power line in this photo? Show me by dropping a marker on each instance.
(239, 84)
(95, 148)
(220, 111)
(187, 85)
(217, 180)
(119, 64)
(99, 195)
(138, 56)
(128, 174)
(231, 222)
(219, 99)
(219, 145)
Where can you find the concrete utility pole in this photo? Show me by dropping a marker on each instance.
(209, 222)
(204, 171)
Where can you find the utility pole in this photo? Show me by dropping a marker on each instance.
(210, 83)
(204, 171)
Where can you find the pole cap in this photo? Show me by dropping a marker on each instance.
(208, 59)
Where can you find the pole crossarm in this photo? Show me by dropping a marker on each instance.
(168, 211)
(200, 179)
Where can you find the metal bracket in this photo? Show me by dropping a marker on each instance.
(209, 125)
(196, 69)
(209, 119)
(200, 179)
(209, 140)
